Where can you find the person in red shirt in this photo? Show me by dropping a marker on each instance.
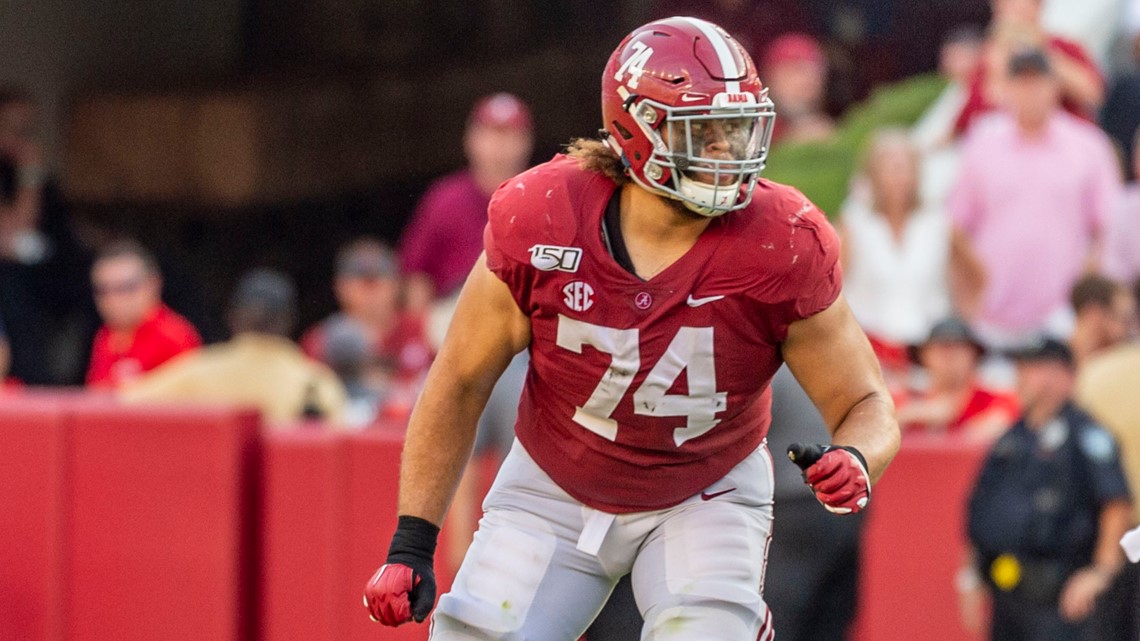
(397, 351)
(1016, 26)
(445, 235)
(139, 332)
(658, 285)
(954, 402)
(367, 287)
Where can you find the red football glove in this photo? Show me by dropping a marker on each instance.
(837, 474)
(403, 589)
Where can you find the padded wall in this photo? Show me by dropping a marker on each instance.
(302, 519)
(157, 524)
(32, 451)
(915, 542)
(181, 524)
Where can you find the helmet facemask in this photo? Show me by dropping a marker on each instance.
(707, 157)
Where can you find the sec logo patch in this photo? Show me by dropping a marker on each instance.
(578, 295)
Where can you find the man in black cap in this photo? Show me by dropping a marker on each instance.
(367, 286)
(954, 401)
(1047, 513)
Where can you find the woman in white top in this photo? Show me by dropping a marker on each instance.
(905, 268)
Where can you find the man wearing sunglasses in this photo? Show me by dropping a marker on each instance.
(139, 332)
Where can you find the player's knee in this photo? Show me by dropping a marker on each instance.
(704, 619)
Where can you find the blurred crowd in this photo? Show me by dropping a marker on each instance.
(964, 233)
(1008, 215)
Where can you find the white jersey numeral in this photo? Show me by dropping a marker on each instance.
(690, 350)
(622, 345)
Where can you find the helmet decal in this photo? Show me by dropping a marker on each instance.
(635, 64)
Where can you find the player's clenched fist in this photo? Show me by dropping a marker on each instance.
(404, 588)
(837, 474)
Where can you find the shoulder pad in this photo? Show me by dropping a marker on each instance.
(791, 233)
(541, 206)
(783, 210)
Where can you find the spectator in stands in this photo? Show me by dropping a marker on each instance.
(439, 247)
(1094, 24)
(958, 60)
(934, 132)
(1131, 28)
(1121, 244)
(795, 69)
(1047, 512)
(445, 235)
(367, 289)
(1106, 386)
(1035, 189)
(139, 332)
(900, 257)
(351, 357)
(1104, 312)
(1121, 113)
(259, 366)
(954, 402)
(43, 271)
(1016, 26)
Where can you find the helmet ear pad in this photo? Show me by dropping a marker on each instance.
(670, 74)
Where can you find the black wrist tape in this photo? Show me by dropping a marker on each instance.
(415, 539)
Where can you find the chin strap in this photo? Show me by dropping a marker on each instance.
(692, 190)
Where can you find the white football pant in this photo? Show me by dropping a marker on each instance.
(542, 564)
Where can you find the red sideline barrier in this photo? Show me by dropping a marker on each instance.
(372, 479)
(157, 516)
(132, 523)
(328, 512)
(31, 519)
(915, 542)
(302, 512)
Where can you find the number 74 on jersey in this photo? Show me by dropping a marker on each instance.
(691, 349)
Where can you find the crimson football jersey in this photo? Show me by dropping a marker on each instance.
(642, 393)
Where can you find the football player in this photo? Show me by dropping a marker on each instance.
(658, 284)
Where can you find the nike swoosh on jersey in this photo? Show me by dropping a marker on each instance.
(697, 302)
(705, 496)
